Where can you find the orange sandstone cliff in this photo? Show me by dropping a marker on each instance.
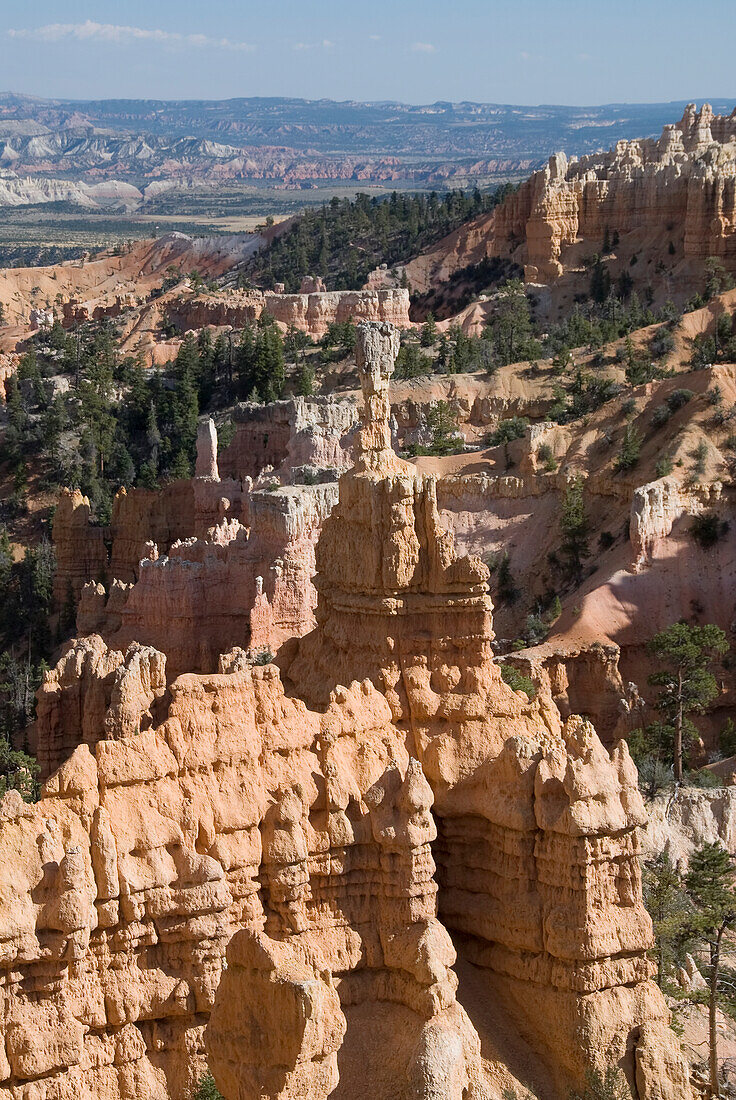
(371, 862)
(678, 191)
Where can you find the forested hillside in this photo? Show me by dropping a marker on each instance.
(347, 238)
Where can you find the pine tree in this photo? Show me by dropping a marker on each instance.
(686, 681)
(710, 886)
(153, 439)
(652, 750)
(207, 1089)
(305, 380)
(220, 356)
(513, 324)
(628, 456)
(574, 527)
(147, 478)
(68, 613)
(245, 360)
(600, 282)
(206, 366)
(670, 910)
(428, 334)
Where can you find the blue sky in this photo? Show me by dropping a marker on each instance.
(418, 51)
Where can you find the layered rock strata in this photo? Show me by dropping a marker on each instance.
(679, 189)
(687, 179)
(416, 620)
(311, 312)
(197, 600)
(287, 436)
(193, 596)
(180, 510)
(305, 837)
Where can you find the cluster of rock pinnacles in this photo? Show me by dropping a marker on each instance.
(283, 868)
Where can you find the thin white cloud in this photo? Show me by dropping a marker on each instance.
(374, 37)
(325, 44)
(119, 34)
(423, 47)
(524, 55)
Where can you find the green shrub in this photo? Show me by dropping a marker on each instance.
(678, 399)
(500, 564)
(535, 628)
(545, 456)
(630, 448)
(662, 343)
(727, 738)
(699, 455)
(703, 778)
(507, 431)
(608, 1086)
(672, 402)
(412, 363)
(708, 529)
(207, 1089)
(517, 681)
(653, 775)
(660, 416)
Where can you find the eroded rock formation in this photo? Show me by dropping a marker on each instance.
(687, 179)
(678, 189)
(288, 435)
(182, 568)
(311, 311)
(180, 510)
(196, 601)
(322, 827)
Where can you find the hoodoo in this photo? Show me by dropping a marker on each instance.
(291, 864)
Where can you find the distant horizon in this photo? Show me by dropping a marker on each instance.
(699, 101)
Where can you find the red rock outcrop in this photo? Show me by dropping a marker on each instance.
(687, 179)
(196, 601)
(81, 553)
(184, 572)
(311, 311)
(180, 510)
(679, 188)
(289, 434)
(301, 827)
(102, 285)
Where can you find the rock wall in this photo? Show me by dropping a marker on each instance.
(182, 572)
(330, 821)
(81, 548)
(179, 510)
(584, 679)
(680, 188)
(286, 435)
(427, 642)
(656, 507)
(195, 602)
(102, 286)
(309, 312)
(686, 179)
(679, 822)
